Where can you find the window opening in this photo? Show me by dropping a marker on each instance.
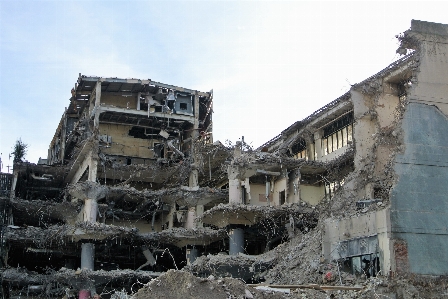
(367, 264)
(338, 134)
(282, 197)
(299, 149)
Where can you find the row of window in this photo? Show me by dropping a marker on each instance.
(338, 139)
(336, 134)
(330, 143)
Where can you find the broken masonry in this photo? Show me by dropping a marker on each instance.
(135, 185)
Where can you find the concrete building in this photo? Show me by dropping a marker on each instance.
(134, 180)
(381, 154)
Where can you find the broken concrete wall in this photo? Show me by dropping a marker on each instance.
(430, 40)
(312, 194)
(419, 201)
(118, 100)
(339, 233)
(279, 187)
(258, 195)
(125, 145)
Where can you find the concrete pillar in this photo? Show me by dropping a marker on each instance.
(235, 191)
(193, 179)
(237, 151)
(192, 255)
(96, 120)
(171, 216)
(191, 215)
(89, 215)
(310, 150)
(138, 100)
(318, 144)
(87, 256)
(93, 168)
(236, 241)
(199, 213)
(90, 210)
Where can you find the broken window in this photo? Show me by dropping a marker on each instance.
(298, 150)
(332, 187)
(338, 134)
(142, 133)
(368, 264)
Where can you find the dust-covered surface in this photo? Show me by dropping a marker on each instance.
(182, 236)
(183, 285)
(59, 235)
(246, 267)
(143, 198)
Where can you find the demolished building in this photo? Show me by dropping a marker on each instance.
(133, 180)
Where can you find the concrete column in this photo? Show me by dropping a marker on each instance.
(90, 210)
(191, 215)
(318, 144)
(171, 216)
(63, 137)
(138, 100)
(89, 215)
(87, 256)
(235, 191)
(199, 213)
(310, 150)
(236, 241)
(193, 179)
(192, 255)
(93, 168)
(12, 192)
(96, 120)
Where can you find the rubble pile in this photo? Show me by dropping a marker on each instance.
(246, 267)
(297, 261)
(180, 284)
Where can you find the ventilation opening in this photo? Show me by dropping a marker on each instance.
(183, 106)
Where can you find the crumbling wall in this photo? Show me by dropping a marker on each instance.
(124, 145)
(118, 100)
(312, 194)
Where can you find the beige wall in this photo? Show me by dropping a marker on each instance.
(312, 194)
(364, 128)
(432, 85)
(119, 101)
(386, 109)
(255, 191)
(280, 185)
(125, 145)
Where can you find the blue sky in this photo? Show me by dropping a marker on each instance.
(269, 63)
